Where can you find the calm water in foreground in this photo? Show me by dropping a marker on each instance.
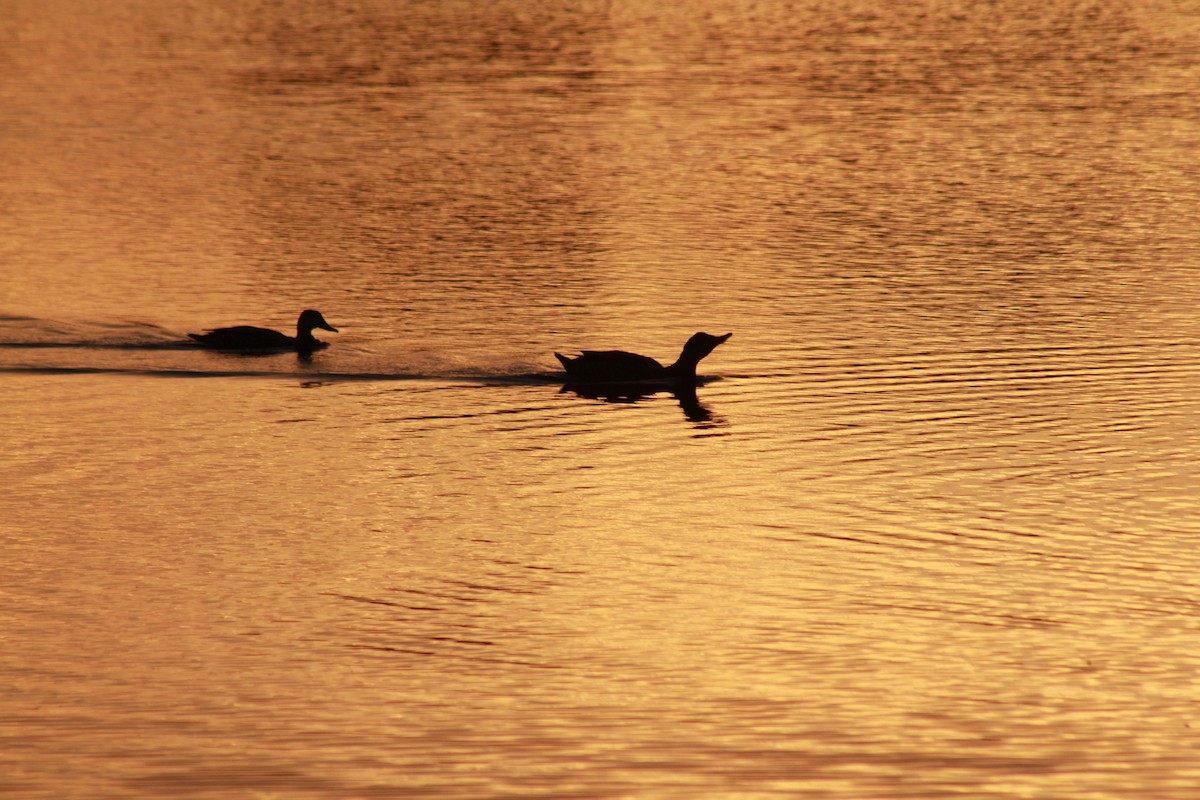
(928, 530)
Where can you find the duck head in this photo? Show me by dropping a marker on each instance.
(312, 319)
(701, 344)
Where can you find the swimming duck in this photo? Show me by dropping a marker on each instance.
(248, 337)
(617, 366)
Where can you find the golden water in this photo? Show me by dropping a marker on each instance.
(927, 531)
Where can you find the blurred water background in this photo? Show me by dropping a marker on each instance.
(928, 529)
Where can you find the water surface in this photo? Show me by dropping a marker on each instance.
(926, 529)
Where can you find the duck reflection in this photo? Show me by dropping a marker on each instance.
(689, 402)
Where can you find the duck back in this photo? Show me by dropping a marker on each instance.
(611, 366)
(244, 337)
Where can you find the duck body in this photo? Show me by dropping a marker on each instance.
(252, 339)
(618, 366)
(612, 366)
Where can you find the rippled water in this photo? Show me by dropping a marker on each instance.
(926, 529)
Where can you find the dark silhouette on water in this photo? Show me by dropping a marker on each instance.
(617, 366)
(252, 339)
(630, 393)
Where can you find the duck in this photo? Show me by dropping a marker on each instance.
(618, 366)
(248, 337)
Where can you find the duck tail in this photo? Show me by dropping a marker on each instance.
(566, 362)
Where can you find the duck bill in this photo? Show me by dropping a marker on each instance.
(326, 326)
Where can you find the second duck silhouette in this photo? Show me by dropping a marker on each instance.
(618, 366)
(252, 339)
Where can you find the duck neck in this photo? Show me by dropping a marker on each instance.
(304, 336)
(684, 368)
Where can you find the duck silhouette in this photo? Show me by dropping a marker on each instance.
(618, 366)
(250, 338)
